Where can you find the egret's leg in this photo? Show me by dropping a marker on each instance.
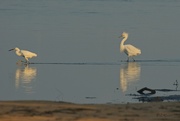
(133, 59)
(27, 61)
(128, 59)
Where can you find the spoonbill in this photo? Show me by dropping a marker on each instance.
(24, 53)
(128, 49)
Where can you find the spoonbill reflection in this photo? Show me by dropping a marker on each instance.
(25, 76)
(128, 49)
(24, 53)
(128, 74)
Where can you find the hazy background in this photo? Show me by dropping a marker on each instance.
(88, 30)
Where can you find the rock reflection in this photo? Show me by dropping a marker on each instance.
(129, 72)
(24, 77)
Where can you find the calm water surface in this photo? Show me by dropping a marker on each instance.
(78, 49)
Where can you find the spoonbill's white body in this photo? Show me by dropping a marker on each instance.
(24, 53)
(128, 49)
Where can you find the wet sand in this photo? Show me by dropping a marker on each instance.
(61, 111)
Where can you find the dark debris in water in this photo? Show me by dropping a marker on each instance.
(158, 98)
(90, 97)
(147, 95)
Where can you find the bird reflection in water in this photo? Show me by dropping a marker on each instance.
(129, 72)
(25, 75)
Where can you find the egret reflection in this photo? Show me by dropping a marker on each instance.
(24, 77)
(129, 72)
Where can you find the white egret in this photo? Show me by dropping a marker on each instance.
(24, 53)
(128, 49)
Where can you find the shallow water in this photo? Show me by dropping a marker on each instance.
(78, 49)
(88, 82)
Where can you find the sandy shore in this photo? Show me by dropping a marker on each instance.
(60, 111)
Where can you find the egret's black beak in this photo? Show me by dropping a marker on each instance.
(11, 49)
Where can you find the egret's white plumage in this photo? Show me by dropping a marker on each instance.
(24, 53)
(130, 50)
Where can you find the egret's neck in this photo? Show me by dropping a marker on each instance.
(18, 52)
(122, 43)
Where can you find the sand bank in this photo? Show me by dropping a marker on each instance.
(61, 111)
